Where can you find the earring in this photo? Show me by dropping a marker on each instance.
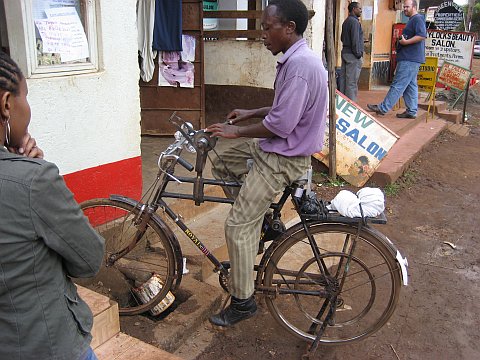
(7, 131)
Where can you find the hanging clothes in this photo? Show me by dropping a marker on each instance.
(145, 24)
(167, 32)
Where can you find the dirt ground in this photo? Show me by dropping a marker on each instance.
(433, 219)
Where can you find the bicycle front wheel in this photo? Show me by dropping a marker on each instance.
(151, 261)
(365, 286)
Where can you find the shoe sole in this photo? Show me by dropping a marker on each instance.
(230, 326)
(375, 111)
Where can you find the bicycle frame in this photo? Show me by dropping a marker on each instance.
(276, 279)
(198, 196)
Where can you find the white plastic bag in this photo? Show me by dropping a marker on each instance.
(347, 203)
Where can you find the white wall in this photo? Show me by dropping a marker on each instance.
(249, 63)
(88, 120)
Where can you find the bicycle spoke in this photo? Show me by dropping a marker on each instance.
(151, 255)
(363, 286)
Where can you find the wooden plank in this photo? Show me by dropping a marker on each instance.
(233, 14)
(106, 321)
(105, 326)
(98, 303)
(191, 16)
(170, 97)
(240, 14)
(251, 34)
(155, 122)
(124, 347)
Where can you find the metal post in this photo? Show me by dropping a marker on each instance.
(465, 99)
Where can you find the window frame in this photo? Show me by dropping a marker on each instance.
(25, 29)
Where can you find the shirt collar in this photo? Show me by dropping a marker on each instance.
(291, 50)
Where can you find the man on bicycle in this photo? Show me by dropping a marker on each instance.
(292, 130)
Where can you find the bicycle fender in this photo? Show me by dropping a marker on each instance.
(401, 261)
(172, 239)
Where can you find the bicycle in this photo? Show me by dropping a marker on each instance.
(327, 279)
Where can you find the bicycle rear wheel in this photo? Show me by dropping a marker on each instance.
(370, 283)
(153, 255)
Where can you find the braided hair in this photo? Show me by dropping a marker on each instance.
(10, 74)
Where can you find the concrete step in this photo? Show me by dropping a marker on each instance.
(454, 116)
(401, 126)
(439, 105)
(441, 110)
(406, 149)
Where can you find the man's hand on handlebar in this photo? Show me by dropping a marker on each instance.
(224, 130)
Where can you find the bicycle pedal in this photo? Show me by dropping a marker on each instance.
(261, 248)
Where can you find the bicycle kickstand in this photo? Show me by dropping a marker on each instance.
(329, 320)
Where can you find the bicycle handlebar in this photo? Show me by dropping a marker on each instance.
(185, 163)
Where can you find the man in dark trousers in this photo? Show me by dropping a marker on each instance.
(352, 51)
(410, 55)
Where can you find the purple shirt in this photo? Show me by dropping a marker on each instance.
(299, 110)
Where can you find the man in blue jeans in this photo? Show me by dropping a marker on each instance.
(410, 55)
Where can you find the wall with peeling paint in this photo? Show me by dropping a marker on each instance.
(248, 62)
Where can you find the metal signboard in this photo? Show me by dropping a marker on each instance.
(452, 46)
(454, 76)
(361, 142)
(448, 16)
(427, 74)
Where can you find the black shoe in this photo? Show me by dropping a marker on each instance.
(405, 115)
(238, 310)
(375, 108)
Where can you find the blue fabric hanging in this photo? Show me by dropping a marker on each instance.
(167, 31)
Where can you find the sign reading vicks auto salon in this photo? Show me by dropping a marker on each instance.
(361, 142)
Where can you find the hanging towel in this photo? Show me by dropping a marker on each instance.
(167, 32)
(145, 21)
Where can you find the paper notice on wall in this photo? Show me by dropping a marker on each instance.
(62, 32)
(367, 13)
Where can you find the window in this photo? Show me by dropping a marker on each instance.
(59, 36)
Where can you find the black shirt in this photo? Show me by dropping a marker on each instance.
(352, 36)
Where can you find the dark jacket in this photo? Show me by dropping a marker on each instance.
(352, 36)
(44, 239)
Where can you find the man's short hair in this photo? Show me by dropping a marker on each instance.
(414, 3)
(292, 10)
(352, 5)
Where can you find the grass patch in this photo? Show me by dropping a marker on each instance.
(391, 189)
(407, 180)
(324, 179)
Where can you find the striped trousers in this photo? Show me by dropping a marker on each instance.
(267, 178)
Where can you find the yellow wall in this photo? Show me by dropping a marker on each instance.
(382, 35)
